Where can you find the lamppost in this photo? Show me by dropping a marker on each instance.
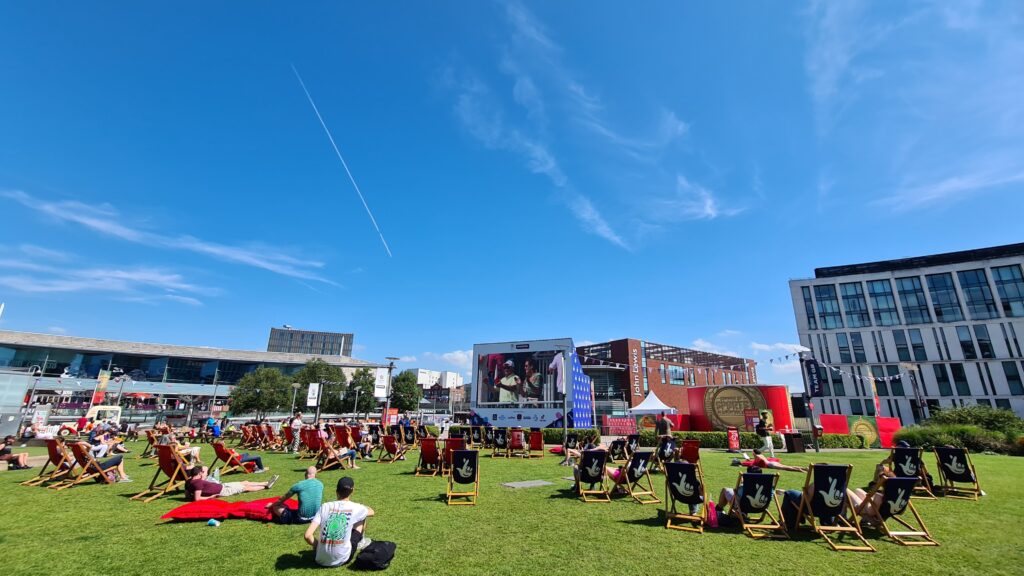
(295, 390)
(387, 391)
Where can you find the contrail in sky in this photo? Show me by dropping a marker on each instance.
(343, 163)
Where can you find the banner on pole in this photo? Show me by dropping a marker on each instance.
(813, 378)
(313, 394)
(101, 387)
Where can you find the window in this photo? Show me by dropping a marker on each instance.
(1003, 404)
(978, 294)
(942, 378)
(1010, 286)
(856, 307)
(880, 385)
(828, 307)
(960, 379)
(844, 348)
(883, 302)
(984, 341)
(895, 380)
(812, 322)
(677, 375)
(944, 299)
(869, 406)
(858, 347)
(1013, 378)
(856, 407)
(902, 350)
(984, 402)
(915, 307)
(917, 343)
(966, 343)
(837, 383)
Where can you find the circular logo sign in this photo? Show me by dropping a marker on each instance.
(724, 405)
(866, 430)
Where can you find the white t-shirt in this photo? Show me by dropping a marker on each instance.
(334, 543)
(296, 424)
(556, 365)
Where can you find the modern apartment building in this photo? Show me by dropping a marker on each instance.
(931, 332)
(292, 341)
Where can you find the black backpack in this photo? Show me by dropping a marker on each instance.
(376, 556)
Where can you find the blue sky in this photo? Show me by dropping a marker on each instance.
(538, 169)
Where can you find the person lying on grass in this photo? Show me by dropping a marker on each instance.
(336, 532)
(199, 487)
(14, 461)
(310, 493)
(761, 462)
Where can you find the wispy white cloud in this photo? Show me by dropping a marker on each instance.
(407, 359)
(707, 346)
(728, 333)
(459, 359)
(105, 219)
(691, 201)
(777, 347)
(46, 254)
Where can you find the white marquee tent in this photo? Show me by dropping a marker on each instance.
(651, 405)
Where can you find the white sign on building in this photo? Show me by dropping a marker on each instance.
(313, 394)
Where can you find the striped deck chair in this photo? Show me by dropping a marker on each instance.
(172, 466)
(827, 509)
(59, 464)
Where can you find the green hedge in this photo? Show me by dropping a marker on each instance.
(974, 438)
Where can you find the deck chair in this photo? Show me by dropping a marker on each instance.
(684, 484)
(289, 436)
(488, 433)
(409, 437)
(273, 441)
(666, 451)
(466, 473)
(638, 478)
(592, 472)
(632, 444)
(907, 463)
(572, 441)
(955, 467)
(828, 511)
(390, 450)
(751, 505)
(246, 440)
(500, 443)
(59, 464)
(396, 431)
(306, 441)
(430, 460)
(450, 446)
(617, 450)
(517, 443)
(149, 451)
(690, 451)
(88, 468)
(374, 431)
(341, 435)
(232, 461)
(476, 437)
(326, 456)
(172, 466)
(535, 445)
(896, 493)
(422, 432)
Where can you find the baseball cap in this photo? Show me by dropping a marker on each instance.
(346, 483)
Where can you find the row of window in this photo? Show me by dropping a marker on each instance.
(975, 344)
(824, 311)
(949, 379)
(866, 407)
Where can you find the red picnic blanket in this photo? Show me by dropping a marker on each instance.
(217, 509)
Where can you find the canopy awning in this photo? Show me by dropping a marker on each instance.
(651, 405)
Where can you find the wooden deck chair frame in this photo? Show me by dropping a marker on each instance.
(674, 473)
(289, 436)
(328, 458)
(460, 459)
(232, 461)
(273, 442)
(689, 450)
(172, 466)
(659, 452)
(762, 523)
(409, 438)
(451, 445)
(58, 457)
(535, 444)
(150, 450)
(632, 445)
(308, 437)
(386, 454)
(429, 463)
(900, 467)
(500, 451)
(907, 533)
(949, 485)
(488, 436)
(590, 495)
(88, 468)
(640, 486)
(518, 447)
(847, 522)
(476, 436)
(617, 450)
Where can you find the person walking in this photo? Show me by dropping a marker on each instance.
(296, 426)
(764, 429)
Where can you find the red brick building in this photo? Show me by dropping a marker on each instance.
(624, 371)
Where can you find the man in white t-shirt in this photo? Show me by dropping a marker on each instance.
(337, 528)
(296, 426)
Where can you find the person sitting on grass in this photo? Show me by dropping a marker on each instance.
(310, 493)
(336, 531)
(14, 461)
(199, 487)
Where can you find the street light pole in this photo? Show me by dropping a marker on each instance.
(387, 392)
(295, 390)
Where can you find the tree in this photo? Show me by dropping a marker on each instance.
(261, 391)
(405, 392)
(362, 381)
(316, 370)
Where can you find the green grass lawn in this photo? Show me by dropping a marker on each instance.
(94, 529)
